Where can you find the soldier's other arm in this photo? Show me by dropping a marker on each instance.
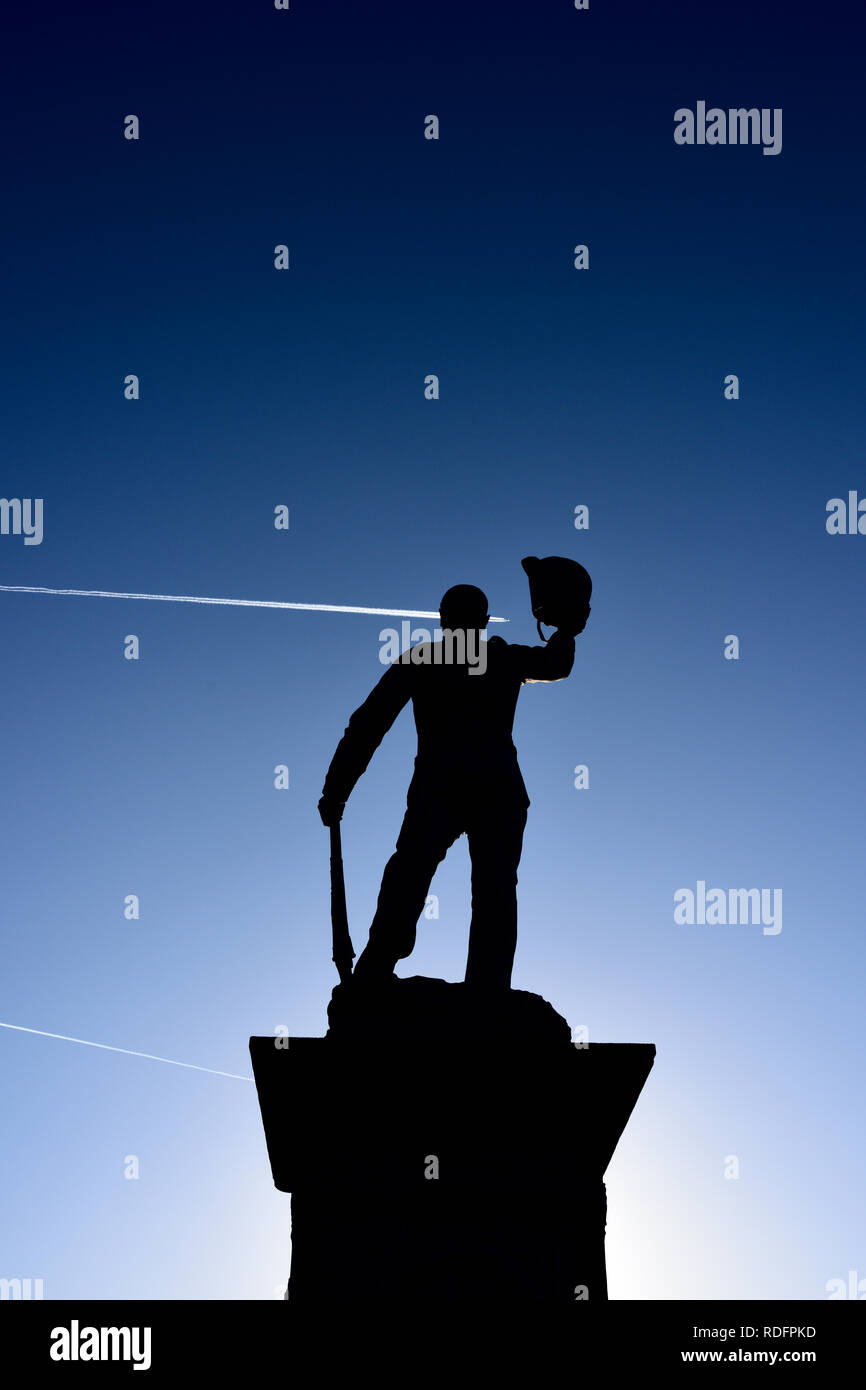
(363, 734)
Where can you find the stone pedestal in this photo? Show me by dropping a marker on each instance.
(440, 1148)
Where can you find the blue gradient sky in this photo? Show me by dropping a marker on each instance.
(707, 517)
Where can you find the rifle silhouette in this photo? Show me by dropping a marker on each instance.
(344, 952)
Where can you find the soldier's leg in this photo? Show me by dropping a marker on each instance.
(428, 829)
(495, 835)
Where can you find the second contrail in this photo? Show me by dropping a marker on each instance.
(230, 602)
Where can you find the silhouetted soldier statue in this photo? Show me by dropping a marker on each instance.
(466, 779)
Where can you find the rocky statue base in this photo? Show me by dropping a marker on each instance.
(445, 1146)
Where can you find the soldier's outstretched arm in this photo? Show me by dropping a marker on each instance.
(363, 734)
(552, 662)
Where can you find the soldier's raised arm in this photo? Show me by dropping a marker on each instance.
(552, 662)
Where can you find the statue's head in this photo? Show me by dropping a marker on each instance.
(464, 606)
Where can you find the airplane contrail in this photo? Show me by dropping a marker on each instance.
(231, 602)
(233, 1076)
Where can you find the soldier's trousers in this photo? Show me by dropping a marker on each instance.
(494, 826)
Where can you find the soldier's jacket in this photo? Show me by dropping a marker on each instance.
(464, 719)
